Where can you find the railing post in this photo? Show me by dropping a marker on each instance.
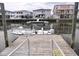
(4, 24)
(28, 46)
(74, 24)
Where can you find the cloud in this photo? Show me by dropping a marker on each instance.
(37, 5)
(31, 5)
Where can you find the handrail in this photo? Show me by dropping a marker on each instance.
(59, 48)
(16, 48)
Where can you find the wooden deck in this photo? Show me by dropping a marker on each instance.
(38, 45)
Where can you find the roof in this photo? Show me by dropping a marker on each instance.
(42, 9)
(64, 5)
(22, 10)
(8, 11)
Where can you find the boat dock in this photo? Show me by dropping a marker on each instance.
(39, 45)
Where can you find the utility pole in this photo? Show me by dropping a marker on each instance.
(74, 24)
(4, 24)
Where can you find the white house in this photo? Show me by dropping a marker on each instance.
(9, 14)
(41, 13)
(22, 14)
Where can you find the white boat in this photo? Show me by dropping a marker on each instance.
(51, 31)
(40, 32)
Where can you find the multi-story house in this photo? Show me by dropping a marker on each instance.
(9, 14)
(63, 11)
(41, 13)
(22, 14)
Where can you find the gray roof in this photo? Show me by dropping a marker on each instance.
(42, 10)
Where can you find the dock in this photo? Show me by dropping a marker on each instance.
(39, 45)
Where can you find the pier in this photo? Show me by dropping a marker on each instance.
(39, 45)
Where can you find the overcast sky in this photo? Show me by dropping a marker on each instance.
(29, 4)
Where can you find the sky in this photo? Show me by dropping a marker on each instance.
(30, 5)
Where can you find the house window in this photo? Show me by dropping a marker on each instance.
(0, 16)
(67, 16)
(21, 12)
(62, 11)
(67, 11)
(61, 16)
